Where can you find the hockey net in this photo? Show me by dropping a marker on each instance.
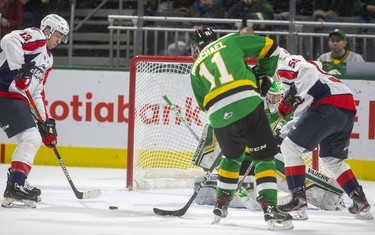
(160, 147)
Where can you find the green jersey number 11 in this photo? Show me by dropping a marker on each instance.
(225, 77)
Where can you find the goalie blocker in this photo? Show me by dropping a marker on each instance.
(322, 191)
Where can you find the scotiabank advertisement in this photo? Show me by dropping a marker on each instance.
(91, 110)
(90, 107)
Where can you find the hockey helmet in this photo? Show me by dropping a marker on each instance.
(201, 38)
(56, 23)
(274, 95)
(283, 54)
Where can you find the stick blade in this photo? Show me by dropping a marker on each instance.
(177, 213)
(90, 194)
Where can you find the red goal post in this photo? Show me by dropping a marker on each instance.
(159, 146)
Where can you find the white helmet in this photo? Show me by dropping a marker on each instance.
(283, 54)
(56, 23)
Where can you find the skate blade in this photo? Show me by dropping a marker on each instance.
(364, 216)
(12, 203)
(275, 225)
(216, 219)
(299, 215)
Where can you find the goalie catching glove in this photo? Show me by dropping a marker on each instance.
(48, 132)
(24, 75)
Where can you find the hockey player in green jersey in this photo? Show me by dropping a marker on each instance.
(230, 92)
(322, 191)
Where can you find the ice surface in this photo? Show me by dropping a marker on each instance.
(60, 212)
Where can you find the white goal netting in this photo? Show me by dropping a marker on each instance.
(160, 147)
(163, 146)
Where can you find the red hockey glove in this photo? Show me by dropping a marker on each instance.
(24, 76)
(284, 109)
(50, 141)
(48, 132)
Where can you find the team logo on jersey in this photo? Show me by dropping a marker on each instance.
(228, 115)
(39, 73)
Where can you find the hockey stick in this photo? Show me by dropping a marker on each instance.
(182, 211)
(94, 193)
(179, 115)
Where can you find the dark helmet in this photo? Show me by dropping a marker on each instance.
(201, 38)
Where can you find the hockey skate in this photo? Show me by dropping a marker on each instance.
(276, 219)
(297, 204)
(16, 196)
(360, 207)
(28, 187)
(33, 190)
(221, 207)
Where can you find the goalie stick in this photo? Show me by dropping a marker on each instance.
(182, 211)
(94, 193)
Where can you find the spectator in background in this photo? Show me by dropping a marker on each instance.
(334, 62)
(281, 8)
(365, 9)
(324, 9)
(304, 7)
(247, 30)
(33, 12)
(207, 9)
(182, 5)
(252, 9)
(12, 16)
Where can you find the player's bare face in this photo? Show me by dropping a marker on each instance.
(336, 43)
(55, 40)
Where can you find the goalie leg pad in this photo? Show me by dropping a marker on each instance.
(323, 191)
(243, 198)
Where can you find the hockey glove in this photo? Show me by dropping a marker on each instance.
(284, 109)
(289, 102)
(278, 138)
(24, 75)
(48, 132)
(264, 84)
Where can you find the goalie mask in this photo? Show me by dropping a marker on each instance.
(200, 39)
(274, 96)
(56, 23)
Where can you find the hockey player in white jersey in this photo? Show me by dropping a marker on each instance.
(325, 117)
(26, 61)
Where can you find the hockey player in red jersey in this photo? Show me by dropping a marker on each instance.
(325, 117)
(26, 61)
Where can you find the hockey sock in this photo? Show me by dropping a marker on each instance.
(348, 182)
(18, 172)
(265, 178)
(228, 175)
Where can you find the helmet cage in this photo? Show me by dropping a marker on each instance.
(274, 96)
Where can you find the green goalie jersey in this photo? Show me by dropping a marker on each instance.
(222, 82)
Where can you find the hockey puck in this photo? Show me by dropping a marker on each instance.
(113, 207)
